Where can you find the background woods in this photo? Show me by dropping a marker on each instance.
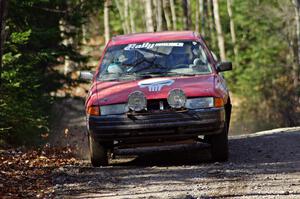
(43, 42)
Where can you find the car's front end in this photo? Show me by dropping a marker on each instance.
(149, 93)
(158, 121)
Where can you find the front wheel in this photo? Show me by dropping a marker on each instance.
(219, 145)
(98, 153)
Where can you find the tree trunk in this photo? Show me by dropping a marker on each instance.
(84, 33)
(210, 21)
(148, 12)
(159, 21)
(132, 15)
(186, 14)
(154, 14)
(297, 54)
(220, 36)
(125, 31)
(201, 9)
(65, 29)
(174, 20)
(197, 16)
(106, 21)
(232, 30)
(126, 16)
(3, 10)
(167, 14)
(200, 15)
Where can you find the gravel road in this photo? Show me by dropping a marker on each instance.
(261, 165)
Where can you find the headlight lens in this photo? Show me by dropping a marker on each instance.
(137, 101)
(176, 98)
(114, 109)
(202, 102)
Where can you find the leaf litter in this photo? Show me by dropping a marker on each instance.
(29, 173)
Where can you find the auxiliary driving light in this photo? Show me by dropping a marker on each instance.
(176, 98)
(137, 101)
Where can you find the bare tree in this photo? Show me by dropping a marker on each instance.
(159, 21)
(132, 16)
(186, 14)
(210, 22)
(84, 33)
(126, 15)
(121, 13)
(106, 21)
(167, 14)
(66, 28)
(201, 9)
(232, 30)
(3, 10)
(197, 16)
(297, 22)
(154, 14)
(173, 12)
(148, 12)
(220, 36)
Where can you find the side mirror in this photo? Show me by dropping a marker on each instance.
(86, 75)
(224, 66)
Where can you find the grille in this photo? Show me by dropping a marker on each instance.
(153, 105)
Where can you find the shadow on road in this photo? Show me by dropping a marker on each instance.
(261, 158)
(278, 148)
(184, 154)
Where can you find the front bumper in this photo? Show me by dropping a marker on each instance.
(157, 126)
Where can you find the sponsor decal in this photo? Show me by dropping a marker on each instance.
(155, 85)
(152, 45)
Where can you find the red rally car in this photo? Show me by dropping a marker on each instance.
(157, 87)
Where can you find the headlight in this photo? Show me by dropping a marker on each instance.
(202, 102)
(113, 109)
(176, 98)
(137, 101)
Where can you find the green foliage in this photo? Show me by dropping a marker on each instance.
(20, 38)
(33, 46)
(261, 72)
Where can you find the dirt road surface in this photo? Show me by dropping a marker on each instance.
(261, 165)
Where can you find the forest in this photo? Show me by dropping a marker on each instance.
(44, 42)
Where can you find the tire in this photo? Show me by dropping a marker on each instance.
(219, 145)
(98, 153)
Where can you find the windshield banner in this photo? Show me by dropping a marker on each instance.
(152, 45)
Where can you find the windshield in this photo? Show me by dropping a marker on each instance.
(145, 60)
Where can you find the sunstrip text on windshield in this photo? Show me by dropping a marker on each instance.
(152, 45)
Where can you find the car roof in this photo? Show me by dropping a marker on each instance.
(153, 37)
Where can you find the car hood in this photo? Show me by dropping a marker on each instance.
(114, 92)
